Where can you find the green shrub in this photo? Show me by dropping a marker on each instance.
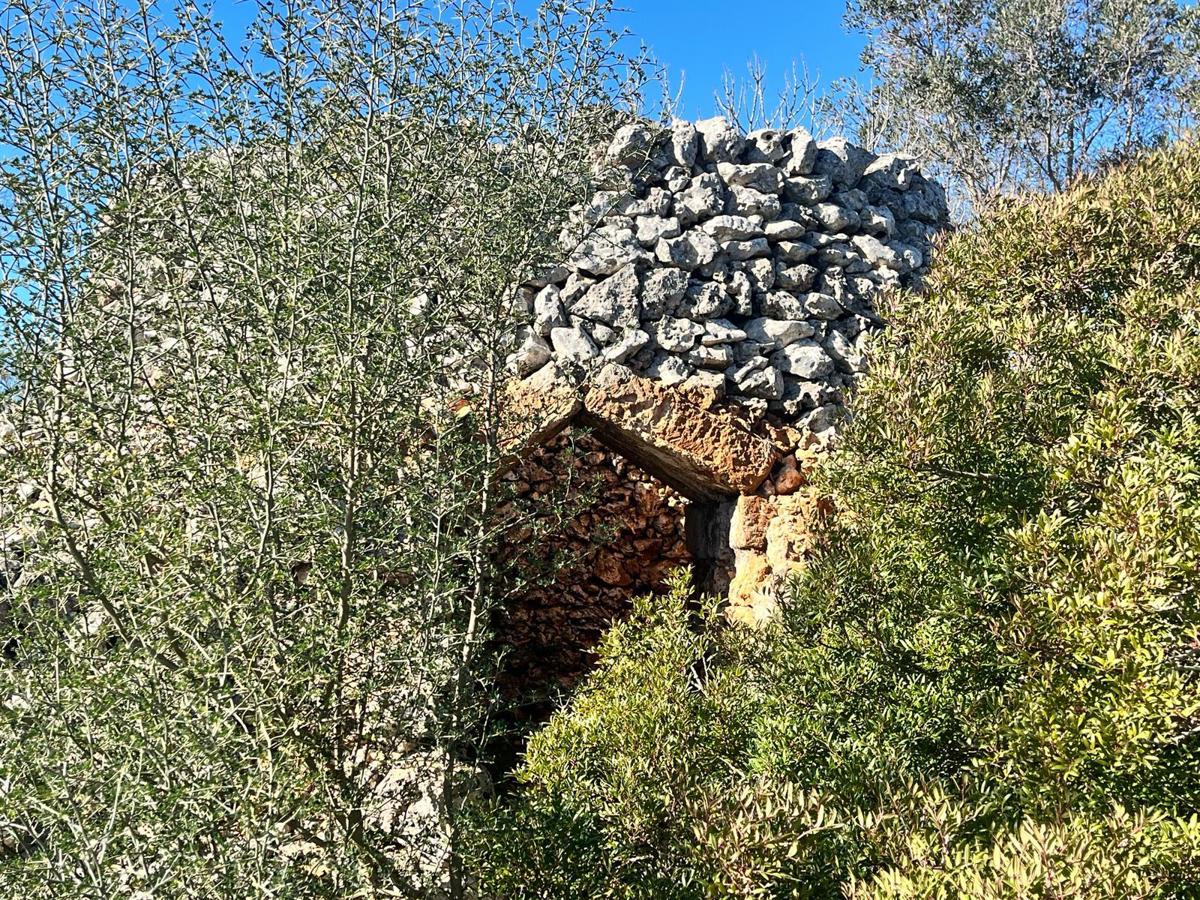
(987, 684)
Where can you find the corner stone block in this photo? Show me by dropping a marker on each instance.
(751, 517)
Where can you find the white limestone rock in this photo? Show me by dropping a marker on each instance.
(762, 177)
(703, 300)
(630, 146)
(704, 197)
(613, 301)
(808, 190)
(743, 250)
(893, 170)
(842, 161)
(574, 344)
(766, 145)
(662, 289)
(802, 152)
(548, 310)
(822, 306)
(720, 140)
(652, 229)
(734, 228)
(775, 334)
(627, 344)
(765, 383)
(799, 277)
(785, 230)
(675, 335)
(781, 305)
(804, 359)
(745, 201)
(721, 331)
(606, 249)
(834, 218)
(669, 369)
(532, 353)
(688, 251)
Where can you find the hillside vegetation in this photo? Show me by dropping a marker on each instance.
(987, 685)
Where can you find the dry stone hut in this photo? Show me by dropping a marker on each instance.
(708, 319)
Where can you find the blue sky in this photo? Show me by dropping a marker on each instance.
(701, 38)
(697, 40)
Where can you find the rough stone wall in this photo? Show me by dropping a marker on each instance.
(748, 264)
(622, 533)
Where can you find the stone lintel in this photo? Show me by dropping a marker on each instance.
(704, 455)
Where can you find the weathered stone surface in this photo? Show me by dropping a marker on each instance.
(675, 335)
(791, 531)
(782, 305)
(689, 251)
(766, 383)
(836, 218)
(538, 408)
(716, 356)
(662, 289)
(548, 310)
(846, 352)
(573, 343)
(794, 277)
(656, 202)
(743, 250)
(733, 228)
(606, 249)
(785, 230)
(843, 162)
(876, 252)
(793, 251)
(802, 153)
(652, 229)
(704, 300)
(895, 171)
(700, 454)
(629, 343)
(762, 177)
(808, 190)
(703, 198)
(776, 334)
(684, 144)
(789, 476)
(669, 370)
(532, 353)
(720, 140)
(721, 331)
(613, 301)
(751, 516)
(761, 273)
(751, 602)
(804, 359)
(822, 306)
(631, 145)
(746, 201)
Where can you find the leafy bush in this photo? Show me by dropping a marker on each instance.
(987, 683)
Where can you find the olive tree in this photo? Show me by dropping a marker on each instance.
(1014, 95)
(256, 308)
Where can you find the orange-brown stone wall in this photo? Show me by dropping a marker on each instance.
(598, 533)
